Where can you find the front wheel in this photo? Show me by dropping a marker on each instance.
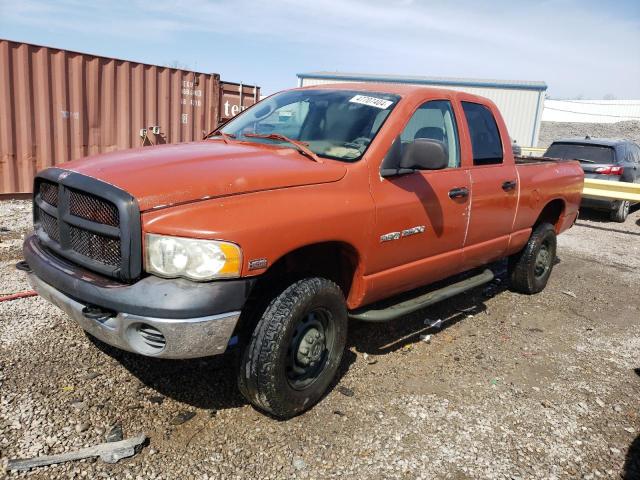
(295, 349)
(621, 212)
(530, 269)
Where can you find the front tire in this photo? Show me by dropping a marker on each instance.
(295, 349)
(621, 212)
(530, 269)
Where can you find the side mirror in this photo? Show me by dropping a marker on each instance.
(425, 154)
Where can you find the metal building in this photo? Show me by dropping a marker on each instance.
(59, 105)
(521, 102)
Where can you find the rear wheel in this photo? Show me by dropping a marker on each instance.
(621, 212)
(295, 349)
(530, 268)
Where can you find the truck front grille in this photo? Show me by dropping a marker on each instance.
(88, 222)
(92, 245)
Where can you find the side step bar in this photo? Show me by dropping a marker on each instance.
(368, 314)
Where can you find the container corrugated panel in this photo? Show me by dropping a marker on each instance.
(235, 97)
(520, 105)
(57, 105)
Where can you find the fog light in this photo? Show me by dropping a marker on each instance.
(146, 339)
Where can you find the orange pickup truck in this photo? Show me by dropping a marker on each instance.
(314, 206)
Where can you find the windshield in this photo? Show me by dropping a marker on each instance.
(334, 124)
(586, 153)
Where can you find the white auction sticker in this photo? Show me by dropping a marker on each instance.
(371, 101)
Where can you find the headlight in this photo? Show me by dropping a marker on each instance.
(190, 258)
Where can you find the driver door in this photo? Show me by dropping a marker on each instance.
(421, 217)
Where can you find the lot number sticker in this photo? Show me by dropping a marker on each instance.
(371, 101)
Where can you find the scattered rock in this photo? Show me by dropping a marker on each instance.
(369, 359)
(299, 464)
(182, 417)
(78, 404)
(583, 406)
(82, 426)
(425, 338)
(347, 392)
(156, 399)
(115, 434)
(600, 403)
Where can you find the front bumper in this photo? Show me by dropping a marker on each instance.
(155, 317)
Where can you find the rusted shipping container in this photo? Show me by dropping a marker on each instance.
(235, 97)
(58, 105)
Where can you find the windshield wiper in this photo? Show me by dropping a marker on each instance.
(226, 137)
(301, 147)
(586, 160)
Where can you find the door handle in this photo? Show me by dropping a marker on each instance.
(509, 185)
(460, 192)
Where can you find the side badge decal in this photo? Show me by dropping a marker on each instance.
(387, 237)
(258, 264)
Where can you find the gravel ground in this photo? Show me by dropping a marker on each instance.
(550, 131)
(543, 386)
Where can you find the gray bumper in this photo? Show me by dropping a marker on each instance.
(155, 337)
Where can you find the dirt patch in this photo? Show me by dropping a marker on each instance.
(513, 386)
(550, 131)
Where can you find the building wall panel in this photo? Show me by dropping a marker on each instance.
(58, 105)
(521, 108)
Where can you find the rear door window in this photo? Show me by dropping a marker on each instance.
(485, 136)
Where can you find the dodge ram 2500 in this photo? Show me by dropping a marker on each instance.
(313, 206)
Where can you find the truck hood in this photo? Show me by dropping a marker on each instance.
(167, 175)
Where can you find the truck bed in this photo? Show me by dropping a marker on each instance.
(521, 160)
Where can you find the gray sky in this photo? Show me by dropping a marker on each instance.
(578, 47)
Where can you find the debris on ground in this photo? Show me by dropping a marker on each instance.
(347, 392)
(182, 417)
(435, 324)
(109, 452)
(526, 425)
(115, 433)
(569, 293)
(369, 359)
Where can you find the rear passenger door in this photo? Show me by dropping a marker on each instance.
(494, 188)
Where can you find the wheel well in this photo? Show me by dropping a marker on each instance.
(336, 261)
(551, 213)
